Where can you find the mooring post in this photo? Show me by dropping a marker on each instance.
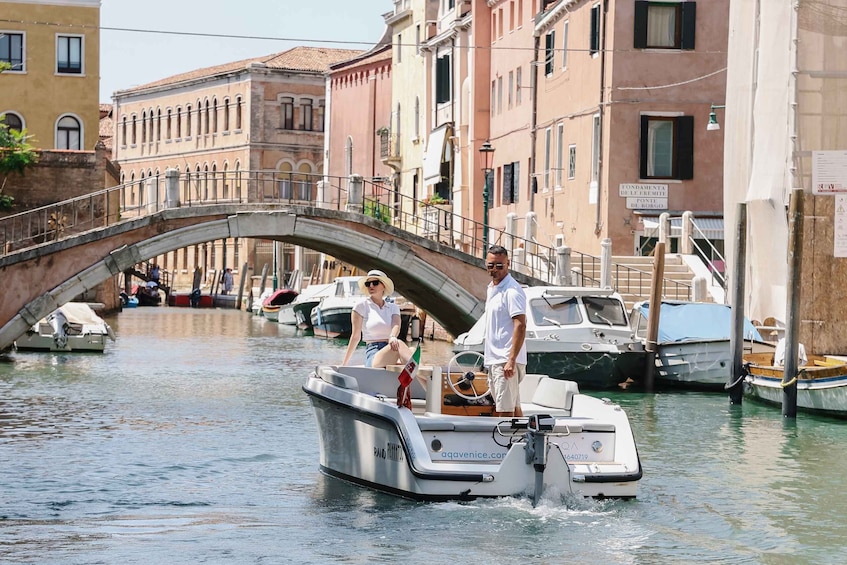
(734, 385)
(792, 325)
(651, 345)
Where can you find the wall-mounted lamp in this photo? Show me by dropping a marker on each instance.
(713, 118)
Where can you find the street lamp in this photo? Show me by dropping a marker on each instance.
(713, 124)
(486, 155)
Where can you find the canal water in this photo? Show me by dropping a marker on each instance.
(190, 441)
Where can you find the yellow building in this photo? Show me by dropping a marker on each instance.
(52, 88)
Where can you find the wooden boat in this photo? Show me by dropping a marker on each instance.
(331, 317)
(821, 383)
(277, 299)
(566, 443)
(72, 327)
(580, 334)
(693, 343)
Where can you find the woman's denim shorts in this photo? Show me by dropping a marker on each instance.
(370, 351)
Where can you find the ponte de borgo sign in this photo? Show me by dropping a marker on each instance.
(644, 196)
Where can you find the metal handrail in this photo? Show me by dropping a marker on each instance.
(379, 200)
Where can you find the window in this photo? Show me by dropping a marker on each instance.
(321, 115)
(511, 182)
(443, 91)
(518, 76)
(188, 120)
(595, 151)
(150, 132)
(500, 23)
(134, 122)
(158, 125)
(548, 134)
(168, 125)
(520, 13)
(206, 119)
(571, 162)
(226, 114)
(68, 133)
(287, 110)
(178, 122)
(664, 25)
(199, 118)
(123, 131)
(594, 42)
(144, 126)
(499, 95)
(14, 121)
(511, 87)
(417, 117)
(399, 48)
(549, 51)
(565, 45)
(306, 115)
(667, 147)
(69, 54)
(238, 113)
(512, 16)
(214, 115)
(12, 50)
(560, 153)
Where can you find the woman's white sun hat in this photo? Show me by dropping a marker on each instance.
(377, 275)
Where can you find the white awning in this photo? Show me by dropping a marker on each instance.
(709, 228)
(434, 154)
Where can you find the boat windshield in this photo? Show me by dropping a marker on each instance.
(605, 311)
(555, 312)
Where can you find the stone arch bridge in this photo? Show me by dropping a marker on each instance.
(447, 283)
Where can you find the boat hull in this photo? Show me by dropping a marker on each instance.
(826, 393)
(699, 365)
(303, 314)
(332, 322)
(367, 440)
(93, 343)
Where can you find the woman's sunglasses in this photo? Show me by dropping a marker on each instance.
(371, 283)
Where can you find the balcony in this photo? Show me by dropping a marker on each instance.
(389, 149)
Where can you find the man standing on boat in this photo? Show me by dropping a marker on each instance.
(505, 350)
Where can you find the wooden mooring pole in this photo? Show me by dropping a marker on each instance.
(792, 323)
(651, 345)
(735, 385)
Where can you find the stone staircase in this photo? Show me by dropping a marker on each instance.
(632, 277)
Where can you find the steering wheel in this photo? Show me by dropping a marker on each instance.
(461, 372)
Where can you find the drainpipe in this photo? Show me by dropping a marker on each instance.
(597, 223)
(533, 82)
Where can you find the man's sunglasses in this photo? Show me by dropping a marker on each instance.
(371, 283)
(492, 266)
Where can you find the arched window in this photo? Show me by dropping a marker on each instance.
(68, 133)
(285, 173)
(168, 125)
(144, 126)
(214, 115)
(226, 181)
(188, 120)
(199, 118)
(226, 114)
(214, 191)
(150, 133)
(304, 182)
(159, 124)
(12, 121)
(206, 181)
(178, 122)
(238, 113)
(123, 131)
(206, 117)
(134, 128)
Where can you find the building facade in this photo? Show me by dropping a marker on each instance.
(51, 88)
(260, 119)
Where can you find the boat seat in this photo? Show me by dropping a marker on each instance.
(379, 381)
(338, 379)
(555, 393)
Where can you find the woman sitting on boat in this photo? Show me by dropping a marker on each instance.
(377, 321)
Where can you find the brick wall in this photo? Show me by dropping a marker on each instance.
(58, 175)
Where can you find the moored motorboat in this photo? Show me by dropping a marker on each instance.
(309, 297)
(72, 327)
(821, 383)
(693, 345)
(442, 449)
(575, 333)
(331, 317)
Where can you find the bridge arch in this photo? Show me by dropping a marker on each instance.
(448, 284)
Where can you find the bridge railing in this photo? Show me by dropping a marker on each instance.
(378, 200)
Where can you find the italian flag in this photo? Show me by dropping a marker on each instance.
(404, 395)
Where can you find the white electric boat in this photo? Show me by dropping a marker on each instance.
(449, 447)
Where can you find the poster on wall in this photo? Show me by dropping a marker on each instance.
(829, 172)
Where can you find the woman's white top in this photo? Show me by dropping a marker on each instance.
(376, 321)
